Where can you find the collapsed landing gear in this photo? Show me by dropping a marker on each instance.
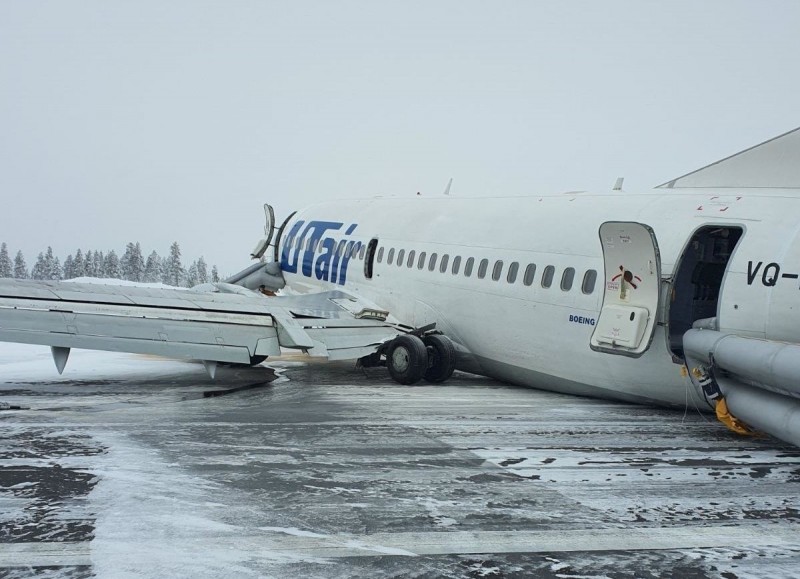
(410, 358)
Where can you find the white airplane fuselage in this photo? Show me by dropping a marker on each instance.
(740, 251)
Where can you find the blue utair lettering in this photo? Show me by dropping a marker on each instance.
(582, 320)
(291, 250)
(322, 257)
(350, 250)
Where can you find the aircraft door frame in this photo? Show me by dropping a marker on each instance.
(631, 289)
(269, 229)
(369, 258)
(279, 237)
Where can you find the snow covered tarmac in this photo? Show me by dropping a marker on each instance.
(121, 468)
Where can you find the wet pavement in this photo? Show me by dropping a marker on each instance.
(121, 467)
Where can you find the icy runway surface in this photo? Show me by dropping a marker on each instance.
(119, 468)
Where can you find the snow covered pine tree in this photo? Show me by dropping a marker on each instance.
(5, 261)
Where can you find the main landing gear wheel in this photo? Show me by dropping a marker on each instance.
(407, 359)
(441, 358)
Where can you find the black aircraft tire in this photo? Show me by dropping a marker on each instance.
(442, 358)
(407, 359)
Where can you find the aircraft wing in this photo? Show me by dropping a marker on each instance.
(215, 322)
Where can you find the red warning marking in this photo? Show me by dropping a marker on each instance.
(627, 276)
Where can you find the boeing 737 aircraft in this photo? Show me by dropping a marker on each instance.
(686, 294)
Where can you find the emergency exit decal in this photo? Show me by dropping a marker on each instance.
(625, 275)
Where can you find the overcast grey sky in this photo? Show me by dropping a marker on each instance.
(161, 121)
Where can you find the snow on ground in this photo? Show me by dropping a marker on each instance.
(121, 469)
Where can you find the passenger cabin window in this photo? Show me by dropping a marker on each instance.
(468, 266)
(432, 262)
(411, 255)
(340, 251)
(456, 264)
(400, 255)
(443, 264)
(530, 274)
(421, 261)
(547, 276)
(589, 279)
(567, 278)
(361, 253)
(497, 271)
(380, 255)
(390, 257)
(512, 272)
(482, 267)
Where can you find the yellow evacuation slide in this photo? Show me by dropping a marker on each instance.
(733, 423)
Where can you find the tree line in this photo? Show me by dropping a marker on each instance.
(132, 266)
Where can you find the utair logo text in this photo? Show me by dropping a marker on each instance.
(323, 257)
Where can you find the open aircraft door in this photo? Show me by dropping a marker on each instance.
(269, 230)
(632, 286)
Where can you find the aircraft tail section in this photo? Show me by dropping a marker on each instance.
(772, 164)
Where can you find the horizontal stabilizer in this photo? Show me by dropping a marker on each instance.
(772, 164)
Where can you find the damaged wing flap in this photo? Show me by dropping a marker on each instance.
(214, 326)
(291, 334)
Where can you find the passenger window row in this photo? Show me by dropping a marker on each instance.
(399, 258)
(357, 250)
